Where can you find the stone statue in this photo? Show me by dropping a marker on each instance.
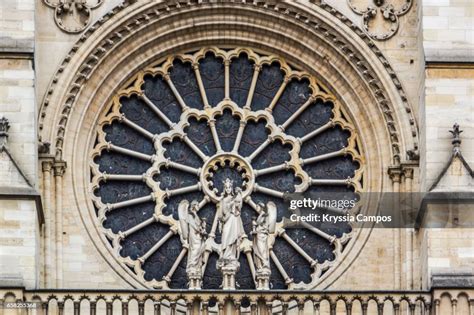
(230, 223)
(232, 231)
(193, 233)
(263, 225)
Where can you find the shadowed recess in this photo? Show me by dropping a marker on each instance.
(312, 118)
(212, 71)
(269, 81)
(241, 74)
(331, 140)
(116, 163)
(284, 181)
(125, 137)
(179, 152)
(296, 94)
(295, 265)
(227, 128)
(137, 244)
(141, 114)
(314, 245)
(115, 191)
(184, 79)
(244, 279)
(172, 179)
(159, 264)
(276, 279)
(213, 277)
(255, 133)
(199, 133)
(159, 92)
(335, 168)
(120, 220)
(275, 153)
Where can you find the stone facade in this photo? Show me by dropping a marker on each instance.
(403, 94)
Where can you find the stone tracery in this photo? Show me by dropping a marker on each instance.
(238, 118)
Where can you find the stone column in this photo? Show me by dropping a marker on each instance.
(408, 176)
(59, 169)
(49, 236)
(395, 176)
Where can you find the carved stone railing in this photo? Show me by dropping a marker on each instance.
(112, 302)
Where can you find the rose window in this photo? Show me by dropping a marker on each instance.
(178, 130)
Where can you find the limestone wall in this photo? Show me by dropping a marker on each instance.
(19, 228)
(448, 30)
(19, 244)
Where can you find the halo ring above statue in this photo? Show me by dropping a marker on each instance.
(194, 161)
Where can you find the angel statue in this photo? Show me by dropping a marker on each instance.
(263, 225)
(193, 233)
(230, 224)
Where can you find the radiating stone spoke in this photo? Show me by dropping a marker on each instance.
(180, 100)
(155, 247)
(132, 153)
(138, 227)
(195, 148)
(183, 190)
(176, 263)
(331, 182)
(227, 79)
(273, 169)
(256, 71)
(301, 251)
(248, 254)
(280, 268)
(278, 95)
(215, 136)
(323, 157)
(131, 202)
(202, 90)
(122, 177)
(137, 128)
(182, 167)
(317, 231)
(317, 131)
(156, 110)
(269, 191)
(238, 139)
(297, 113)
(259, 149)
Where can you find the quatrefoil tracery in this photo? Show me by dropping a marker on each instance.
(73, 16)
(376, 13)
(215, 117)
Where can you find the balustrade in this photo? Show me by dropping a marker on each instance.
(19, 301)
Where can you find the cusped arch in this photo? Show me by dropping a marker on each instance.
(136, 37)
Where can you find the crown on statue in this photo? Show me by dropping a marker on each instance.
(228, 183)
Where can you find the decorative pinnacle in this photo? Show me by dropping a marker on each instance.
(4, 127)
(456, 132)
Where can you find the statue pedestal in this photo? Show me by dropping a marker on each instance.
(195, 280)
(228, 274)
(263, 279)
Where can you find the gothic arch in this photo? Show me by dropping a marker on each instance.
(309, 36)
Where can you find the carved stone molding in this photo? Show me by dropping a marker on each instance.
(73, 16)
(381, 17)
(162, 10)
